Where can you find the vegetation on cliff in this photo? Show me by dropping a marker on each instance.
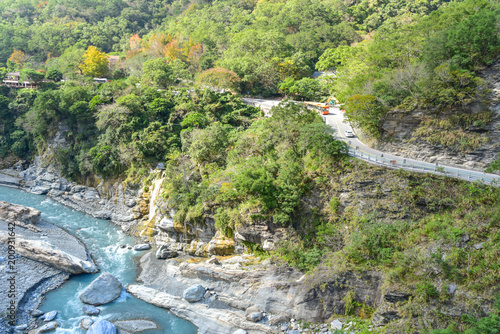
(224, 161)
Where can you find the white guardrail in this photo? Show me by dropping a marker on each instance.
(415, 166)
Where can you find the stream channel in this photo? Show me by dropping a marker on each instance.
(103, 239)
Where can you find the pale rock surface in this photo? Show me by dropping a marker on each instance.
(208, 320)
(104, 289)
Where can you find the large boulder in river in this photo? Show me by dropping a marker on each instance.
(102, 327)
(104, 289)
(194, 293)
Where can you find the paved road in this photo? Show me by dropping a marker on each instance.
(358, 149)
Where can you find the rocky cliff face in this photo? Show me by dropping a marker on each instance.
(107, 200)
(240, 283)
(399, 128)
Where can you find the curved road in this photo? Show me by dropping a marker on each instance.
(358, 149)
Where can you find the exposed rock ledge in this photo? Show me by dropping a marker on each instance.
(207, 320)
(47, 253)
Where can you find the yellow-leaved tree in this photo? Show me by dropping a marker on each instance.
(18, 57)
(95, 63)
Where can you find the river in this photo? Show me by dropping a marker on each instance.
(103, 239)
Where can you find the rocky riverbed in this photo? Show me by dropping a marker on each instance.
(36, 257)
(114, 202)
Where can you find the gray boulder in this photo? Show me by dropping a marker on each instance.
(49, 316)
(141, 247)
(276, 319)
(213, 260)
(254, 317)
(47, 327)
(336, 324)
(86, 323)
(40, 190)
(194, 293)
(253, 314)
(104, 289)
(102, 327)
(36, 313)
(164, 253)
(91, 310)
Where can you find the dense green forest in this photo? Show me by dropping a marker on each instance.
(174, 96)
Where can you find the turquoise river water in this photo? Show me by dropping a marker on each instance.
(103, 239)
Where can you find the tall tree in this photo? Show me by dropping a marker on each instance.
(95, 63)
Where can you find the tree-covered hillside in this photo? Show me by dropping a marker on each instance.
(171, 75)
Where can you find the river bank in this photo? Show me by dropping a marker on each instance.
(37, 257)
(112, 251)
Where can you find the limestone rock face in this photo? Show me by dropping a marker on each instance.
(102, 327)
(194, 293)
(207, 320)
(221, 245)
(104, 289)
(166, 224)
(107, 201)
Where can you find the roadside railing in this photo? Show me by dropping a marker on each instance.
(414, 166)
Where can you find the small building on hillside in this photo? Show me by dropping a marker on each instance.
(323, 75)
(112, 61)
(13, 79)
(13, 76)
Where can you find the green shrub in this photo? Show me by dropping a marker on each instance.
(427, 290)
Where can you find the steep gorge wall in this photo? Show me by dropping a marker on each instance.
(399, 131)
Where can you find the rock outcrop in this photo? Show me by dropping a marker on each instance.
(208, 320)
(17, 213)
(105, 201)
(46, 252)
(239, 285)
(399, 128)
